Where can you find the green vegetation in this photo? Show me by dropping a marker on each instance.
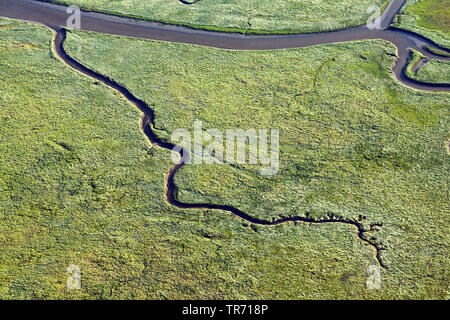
(433, 71)
(81, 185)
(436, 71)
(246, 16)
(427, 17)
(415, 58)
(438, 51)
(353, 140)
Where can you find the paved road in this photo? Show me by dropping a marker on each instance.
(55, 15)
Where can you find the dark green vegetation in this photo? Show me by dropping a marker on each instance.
(80, 184)
(430, 18)
(246, 16)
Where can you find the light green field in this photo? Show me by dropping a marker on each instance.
(430, 18)
(81, 185)
(300, 16)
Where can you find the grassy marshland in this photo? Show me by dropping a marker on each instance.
(81, 185)
(432, 71)
(353, 140)
(430, 18)
(253, 16)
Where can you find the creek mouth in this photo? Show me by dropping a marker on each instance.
(147, 123)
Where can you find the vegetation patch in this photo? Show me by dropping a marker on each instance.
(353, 141)
(428, 71)
(80, 185)
(245, 16)
(434, 71)
(426, 17)
(437, 51)
(415, 58)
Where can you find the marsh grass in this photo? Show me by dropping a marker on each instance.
(244, 16)
(80, 184)
(435, 71)
(353, 140)
(438, 51)
(432, 71)
(430, 18)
